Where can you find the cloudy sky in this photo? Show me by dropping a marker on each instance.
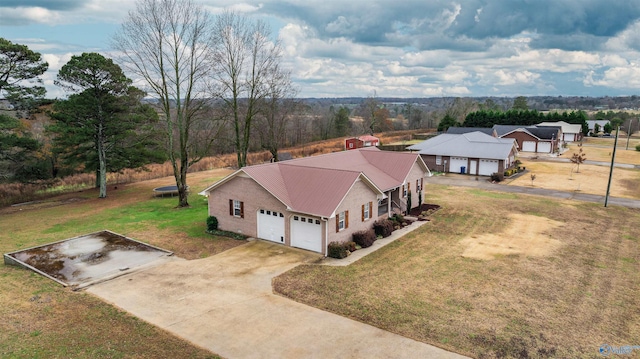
(397, 48)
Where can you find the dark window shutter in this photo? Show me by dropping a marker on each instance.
(241, 209)
(370, 209)
(421, 183)
(363, 213)
(338, 223)
(402, 194)
(408, 186)
(231, 207)
(346, 219)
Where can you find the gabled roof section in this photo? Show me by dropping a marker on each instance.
(317, 185)
(541, 133)
(472, 144)
(566, 127)
(463, 130)
(315, 191)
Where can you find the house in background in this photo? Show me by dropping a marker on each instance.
(570, 132)
(592, 124)
(531, 138)
(354, 143)
(474, 153)
(310, 202)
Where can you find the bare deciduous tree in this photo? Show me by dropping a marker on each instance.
(578, 158)
(167, 43)
(277, 107)
(245, 60)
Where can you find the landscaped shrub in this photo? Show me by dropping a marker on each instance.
(397, 217)
(637, 147)
(365, 238)
(497, 177)
(212, 223)
(338, 250)
(351, 246)
(383, 227)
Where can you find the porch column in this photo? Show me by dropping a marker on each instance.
(389, 204)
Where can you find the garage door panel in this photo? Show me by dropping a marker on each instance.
(488, 167)
(271, 225)
(544, 147)
(306, 233)
(528, 146)
(456, 164)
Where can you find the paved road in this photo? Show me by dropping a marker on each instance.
(469, 181)
(225, 303)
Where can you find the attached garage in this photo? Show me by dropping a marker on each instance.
(306, 233)
(488, 167)
(568, 137)
(529, 146)
(271, 225)
(544, 147)
(457, 163)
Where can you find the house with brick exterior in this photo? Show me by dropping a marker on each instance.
(543, 139)
(310, 202)
(474, 153)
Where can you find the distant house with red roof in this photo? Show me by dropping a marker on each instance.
(354, 143)
(310, 202)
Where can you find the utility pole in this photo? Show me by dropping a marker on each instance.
(629, 132)
(613, 158)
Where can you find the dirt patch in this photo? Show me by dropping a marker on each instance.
(526, 234)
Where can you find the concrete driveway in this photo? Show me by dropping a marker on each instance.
(225, 303)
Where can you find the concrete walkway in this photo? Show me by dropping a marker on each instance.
(469, 181)
(225, 303)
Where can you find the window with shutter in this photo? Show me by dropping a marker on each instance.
(236, 208)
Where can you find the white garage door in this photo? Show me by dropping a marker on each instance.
(457, 163)
(528, 146)
(271, 225)
(567, 137)
(544, 147)
(487, 167)
(306, 233)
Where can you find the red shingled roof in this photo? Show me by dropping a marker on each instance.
(317, 185)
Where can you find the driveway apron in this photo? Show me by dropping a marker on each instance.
(225, 303)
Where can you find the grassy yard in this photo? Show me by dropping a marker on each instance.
(556, 278)
(598, 150)
(591, 179)
(41, 319)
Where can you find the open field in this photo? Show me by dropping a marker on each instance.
(591, 178)
(598, 149)
(41, 319)
(495, 275)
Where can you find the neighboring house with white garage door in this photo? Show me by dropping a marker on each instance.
(474, 153)
(570, 132)
(531, 138)
(309, 202)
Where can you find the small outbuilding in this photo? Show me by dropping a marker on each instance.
(354, 143)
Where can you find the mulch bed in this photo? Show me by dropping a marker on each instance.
(426, 207)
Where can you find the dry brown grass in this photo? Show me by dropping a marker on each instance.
(591, 178)
(11, 193)
(563, 304)
(603, 151)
